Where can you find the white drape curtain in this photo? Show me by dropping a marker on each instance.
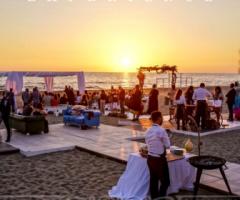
(15, 81)
(81, 82)
(49, 83)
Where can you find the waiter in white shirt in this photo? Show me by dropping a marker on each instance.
(200, 95)
(157, 141)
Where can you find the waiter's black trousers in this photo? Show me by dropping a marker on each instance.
(201, 113)
(158, 168)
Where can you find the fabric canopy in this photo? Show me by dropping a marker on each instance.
(15, 79)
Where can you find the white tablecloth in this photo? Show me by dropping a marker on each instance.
(134, 182)
(57, 110)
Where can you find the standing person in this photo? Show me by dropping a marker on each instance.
(84, 101)
(5, 109)
(200, 95)
(47, 99)
(189, 95)
(78, 98)
(26, 97)
(94, 99)
(87, 98)
(128, 98)
(157, 141)
(237, 97)
(230, 101)
(103, 99)
(1, 97)
(63, 99)
(189, 100)
(180, 101)
(71, 97)
(66, 90)
(35, 97)
(114, 95)
(121, 97)
(110, 97)
(98, 99)
(136, 103)
(141, 78)
(153, 100)
(172, 94)
(11, 100)
(218, 96)
(54, 101)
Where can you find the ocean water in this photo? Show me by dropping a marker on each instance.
(103, 80)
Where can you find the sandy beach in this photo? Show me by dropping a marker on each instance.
(66, 175)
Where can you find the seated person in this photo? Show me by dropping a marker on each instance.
(47, 99)
(54, 101)
(63, 99)
(27, 110)
(78, 98)
(84, 101)
(40, 112)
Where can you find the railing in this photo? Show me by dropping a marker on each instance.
(182, 81)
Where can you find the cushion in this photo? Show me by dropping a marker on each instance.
(76, 112)
(78, 107)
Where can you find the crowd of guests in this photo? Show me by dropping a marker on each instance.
(120, 99)
(196, 100)
(34, 102)
(46, 99)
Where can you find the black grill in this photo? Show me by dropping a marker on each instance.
(207, 162)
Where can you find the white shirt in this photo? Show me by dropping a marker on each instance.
(78, 99)
(201, 94)
(181, 100)
(157, 140)
(47, 100)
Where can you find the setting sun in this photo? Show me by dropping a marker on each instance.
(126, 62)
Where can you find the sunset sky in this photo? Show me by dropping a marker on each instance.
(198, 36)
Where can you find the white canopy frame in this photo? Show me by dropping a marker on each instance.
(15, 79)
